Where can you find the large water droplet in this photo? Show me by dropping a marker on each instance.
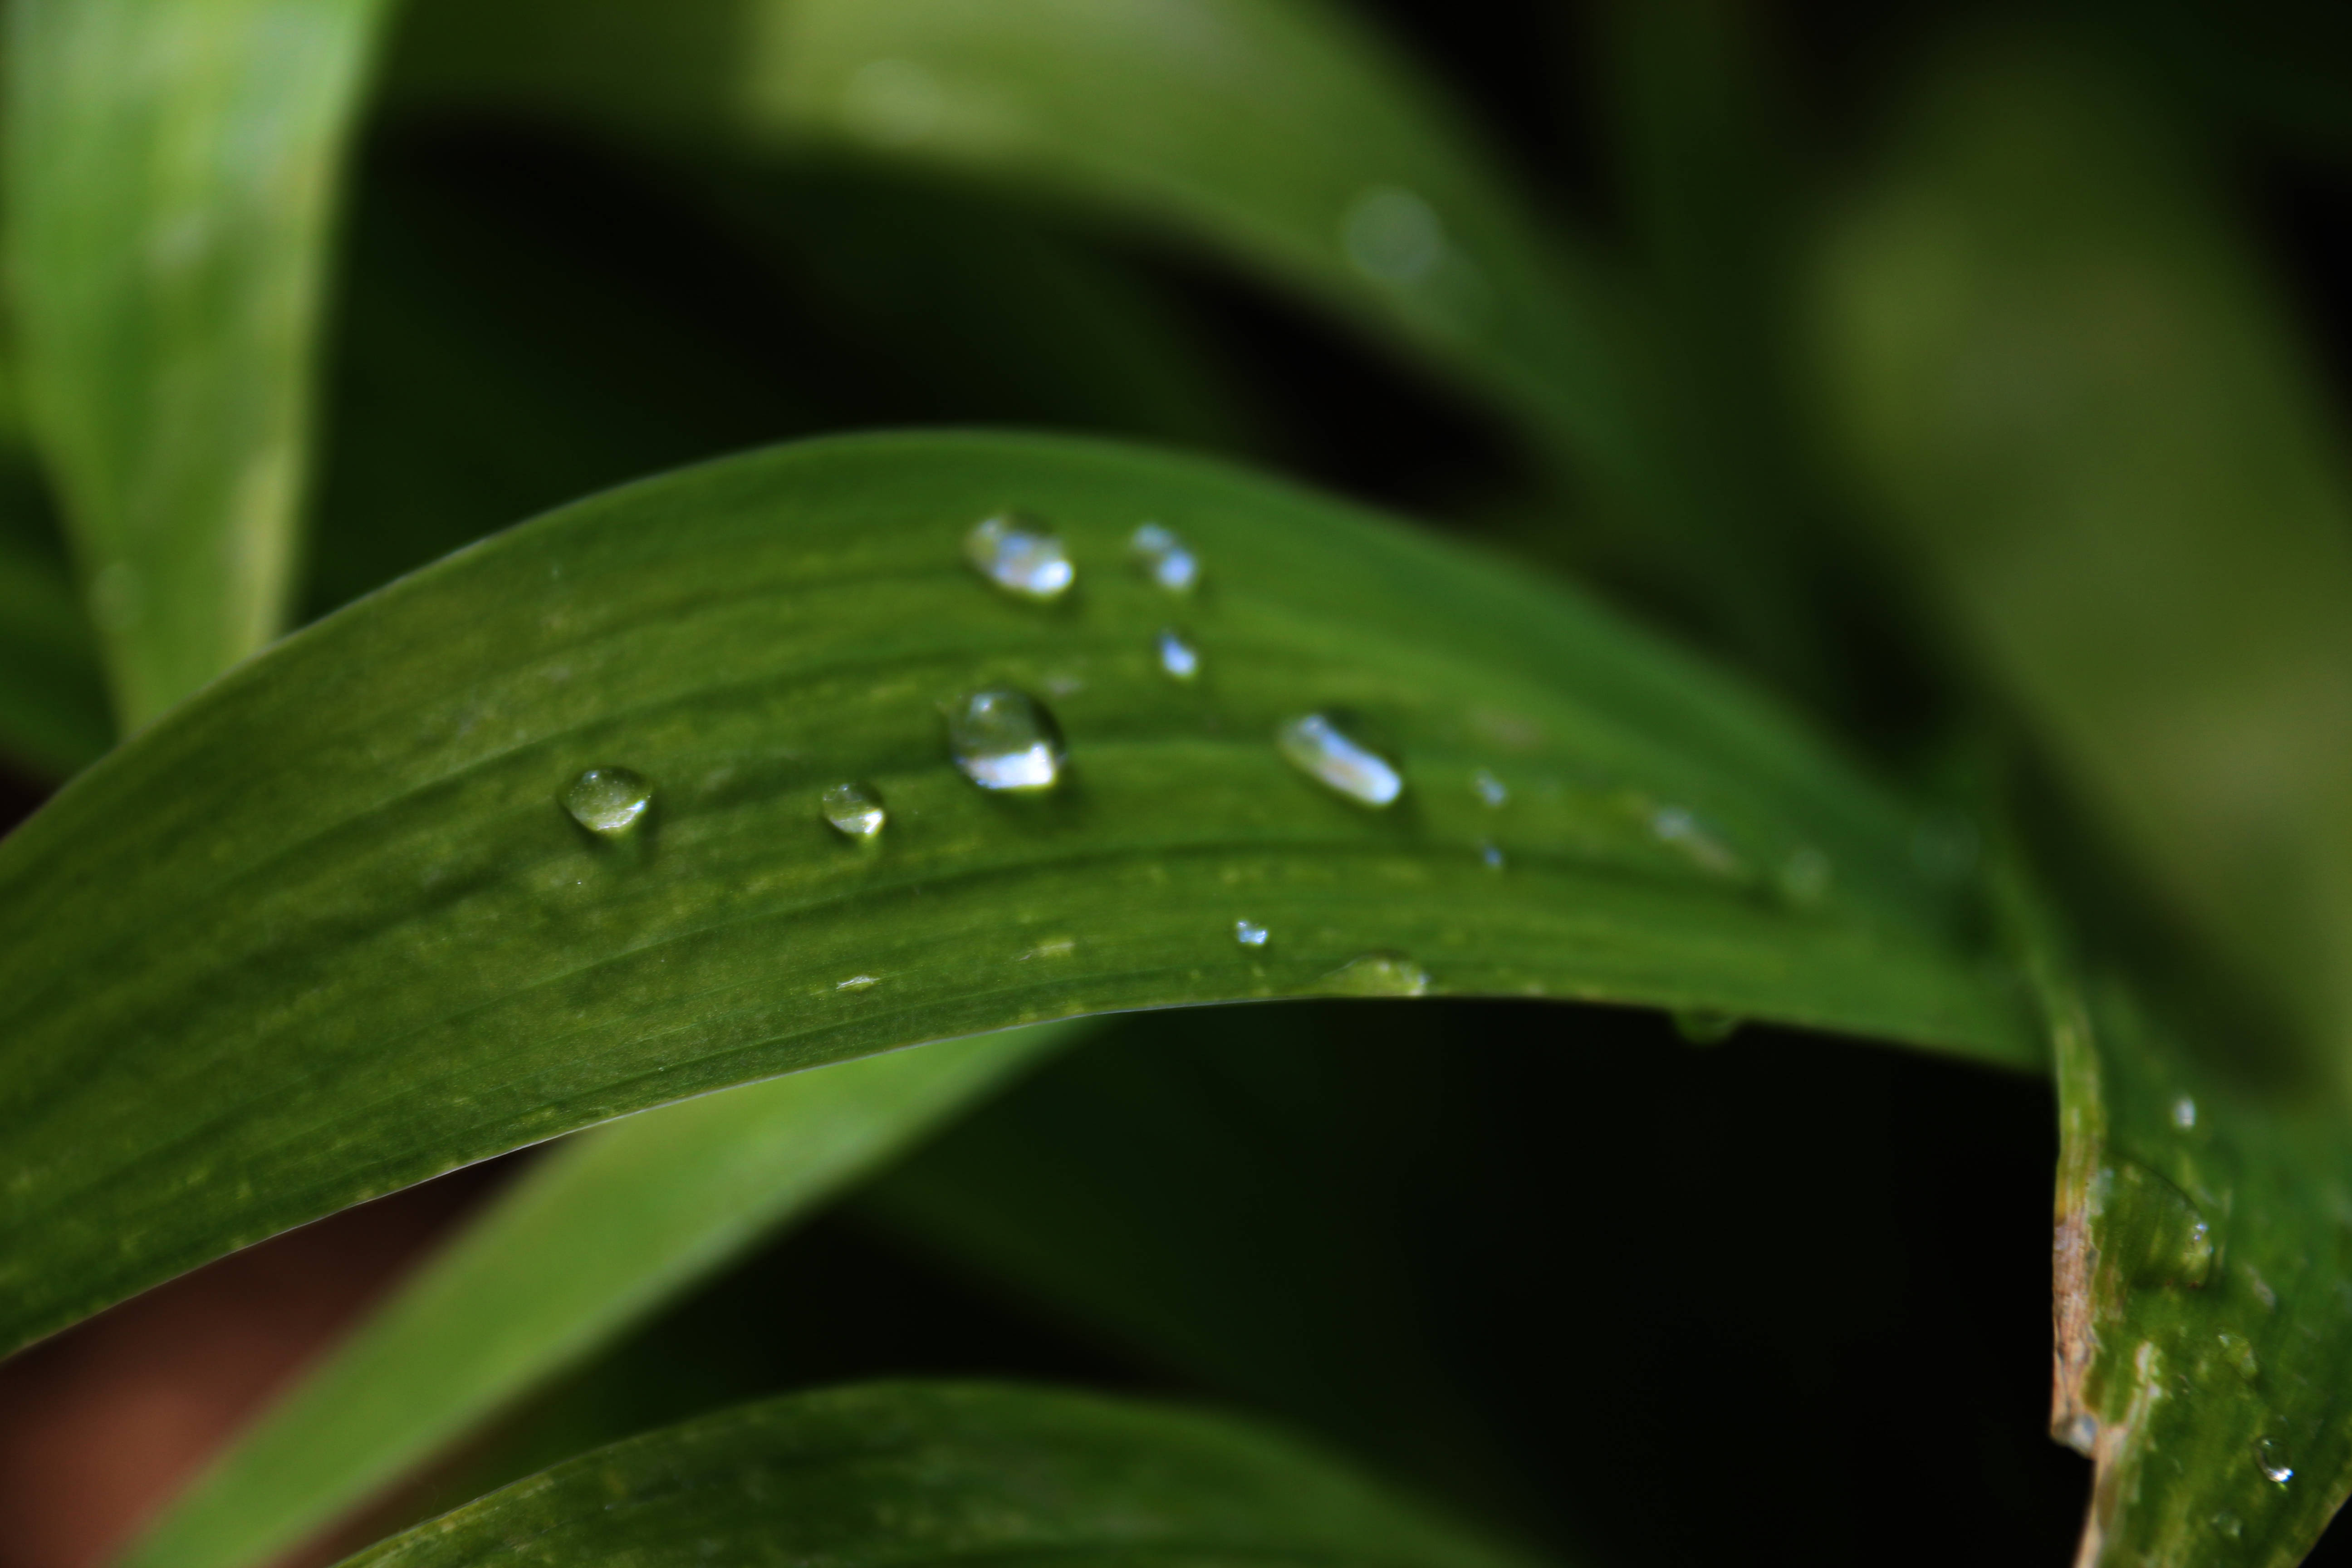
(2184, 1113)
(1706, 1026)
(1377, 974)
(1005, 740)
(855, 811)
(1392, 237)
(1019, 557)
(608, 801)
(1323, 752)
(2275, 1467)
(1178, 658)
(1165, 558)
(1489, 788)
(1249, 933)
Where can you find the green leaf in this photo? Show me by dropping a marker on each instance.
(171, 186)
(2052, 351)
(330, 931)
(2204, 1283)
(943, 1473)
(1279, 133)
(53, 711)
(587, 1243)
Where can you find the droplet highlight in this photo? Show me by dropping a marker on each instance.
(1165, 558)
(1249, 933)
(859, 983)
(1179, 659)
(608, 801)
(854, 811)
(2274, 1468)
(1019, 557)
(1377, 974)
(1005, 740)
(1491, 791)
(1491, 857)
(1321, 748)
(2184, 1113)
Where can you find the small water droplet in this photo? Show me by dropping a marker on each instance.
(1319, 748)
(1165, 558)
(1489, 788)
(1180, 659)
(1672, 825)
(608, 801)
(1391, 235)
(2184, 1113)
(2273, 1467)
(855, 811)
(1019, 557)
(859, 983)
(1005, 740)
(2239, 1352)
(1491, 856)
(1378, 974)
(1249, 933)
(1805, 877)
(1706, 1026)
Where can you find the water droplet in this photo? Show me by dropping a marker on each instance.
(1392, 237)
(608, 801)
(2184, 1113)
(2239, 1352)
(1672, 825)
(855, 811)
(2268, 1456)
(1177, 658)
(1706, 1026)
(1020, 558)
(1489, 788)
(1491, 856)
(1378, 974)
(1249, 933)
(1005, 740)
(1805, 877)
(1165, 558)
(859, 983)
(1323, 752)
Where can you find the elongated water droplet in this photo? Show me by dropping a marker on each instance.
(608, 801)
(2184, 1113)
(1323, 752)
(1377, 974)
(1249, 933)
(855, 811)
(1177, 658)
(1489, 788)
(1005, 740)
(1019, 557)
(1165, 558)
(857, 982)
(2275, 1467)
(1706, 1026)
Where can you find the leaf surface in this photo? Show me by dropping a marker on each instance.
(330, 931)
(171, 184)
(943, 1473)
(588, 1242)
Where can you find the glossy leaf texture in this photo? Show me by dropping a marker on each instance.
(2057, 358)
(944, 1473)
(171, 176)
(607, 1228)
(350, 936)
(1280, 134)
(2204, 1281)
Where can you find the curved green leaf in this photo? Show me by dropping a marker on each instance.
(169, 190)
(53, 711)
(944, 1473)
(2052, 351)
(2204, 1284)
(329, 931)
(584, 1245)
